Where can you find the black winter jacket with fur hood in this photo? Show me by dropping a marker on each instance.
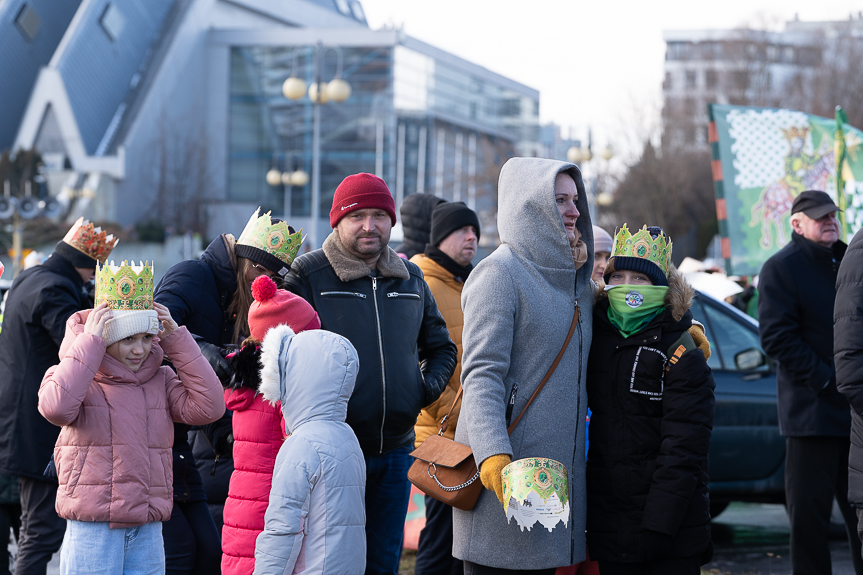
(650, 432)
(406, 355)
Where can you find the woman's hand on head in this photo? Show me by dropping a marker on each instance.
(95, 324)
(169, 326)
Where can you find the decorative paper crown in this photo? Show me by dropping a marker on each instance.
(643, 246)
(275, 239)
(90, 241)
(125, 287)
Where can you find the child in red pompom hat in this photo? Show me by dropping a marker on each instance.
(259, 427)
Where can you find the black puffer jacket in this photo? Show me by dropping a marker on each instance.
(796, 292)
(40, 301)
(389, 319)
(650, 434)
(197, 293)
(416, 212)
(848, 356)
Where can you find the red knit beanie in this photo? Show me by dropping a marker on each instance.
(274, 307)
(361, 191)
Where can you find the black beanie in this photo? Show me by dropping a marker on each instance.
(641, 265)
(449, 217)
(76, 257)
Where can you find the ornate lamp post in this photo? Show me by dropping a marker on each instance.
(336, 90)
(289, 178)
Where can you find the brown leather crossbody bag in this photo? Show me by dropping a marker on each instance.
(445, 469)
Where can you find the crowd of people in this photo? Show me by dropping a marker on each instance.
(305, 382)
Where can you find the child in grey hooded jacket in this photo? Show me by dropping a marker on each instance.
(315, 521)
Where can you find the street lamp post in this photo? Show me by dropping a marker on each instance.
(292, 176)
(584, 155)
(337, 90)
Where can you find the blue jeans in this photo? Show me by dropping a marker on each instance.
(387, 495)
(93, 547)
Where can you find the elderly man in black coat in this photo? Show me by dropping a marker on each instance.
(795, 311)
(848, 357)
(40, 301)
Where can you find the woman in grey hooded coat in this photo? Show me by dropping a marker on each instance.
(518, 306)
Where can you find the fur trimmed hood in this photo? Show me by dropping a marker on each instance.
(678, 298)
(312, 373)
(348, 267)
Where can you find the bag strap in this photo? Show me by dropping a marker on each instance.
(444, 423)
(548, 375)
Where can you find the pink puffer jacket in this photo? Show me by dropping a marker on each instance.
(259, 431)
(113, 455)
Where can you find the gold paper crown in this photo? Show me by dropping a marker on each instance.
(90, 240)
(125, 287)
(642, 245)
(274, 238)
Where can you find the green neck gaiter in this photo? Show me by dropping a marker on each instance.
(631, 307)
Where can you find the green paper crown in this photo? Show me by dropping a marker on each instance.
(643, 246)
(125, 287)
(275, 239)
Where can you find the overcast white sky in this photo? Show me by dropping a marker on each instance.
(594, 62)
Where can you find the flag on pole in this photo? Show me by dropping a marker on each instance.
(839, 147)
(762, 158)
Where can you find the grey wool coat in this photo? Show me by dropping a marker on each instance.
(518, 305)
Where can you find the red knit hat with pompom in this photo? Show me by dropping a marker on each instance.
(274, 307)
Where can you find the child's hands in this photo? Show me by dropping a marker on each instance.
(95, 323)
(169, 326)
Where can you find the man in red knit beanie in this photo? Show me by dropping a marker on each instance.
(365, 292)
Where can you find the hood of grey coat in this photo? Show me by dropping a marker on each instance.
(528, 219)
(312, 373)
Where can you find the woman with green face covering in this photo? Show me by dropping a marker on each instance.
(651, 393)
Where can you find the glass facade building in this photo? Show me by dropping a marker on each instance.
(422, 119)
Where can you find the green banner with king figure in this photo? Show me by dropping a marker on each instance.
(762, 159)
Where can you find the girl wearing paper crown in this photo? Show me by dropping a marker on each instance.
(211, 296)
(115, 403)
(258, 425)
(651, 394)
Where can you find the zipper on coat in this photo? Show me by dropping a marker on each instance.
(407, 295)
(383, 366)
(577, 411)
(350, 293)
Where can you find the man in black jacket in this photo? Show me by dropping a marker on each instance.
(795, 311)
(848, 356)
(40, 301)
(364, 291)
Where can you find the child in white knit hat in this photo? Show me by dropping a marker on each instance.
(116, 403)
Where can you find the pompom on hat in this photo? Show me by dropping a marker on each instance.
(647, 251)
(128, 291)
(273, 306)
(361, 191)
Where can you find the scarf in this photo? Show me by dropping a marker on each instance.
(632, 307)
(460, 273)
(579, 250)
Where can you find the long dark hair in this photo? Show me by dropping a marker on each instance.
(238, 311)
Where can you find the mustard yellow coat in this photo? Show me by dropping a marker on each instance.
(447, 294)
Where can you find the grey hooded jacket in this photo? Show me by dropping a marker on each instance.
(315, 521)
(518, 305)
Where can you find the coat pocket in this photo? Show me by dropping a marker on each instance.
(78, 462)
(648, 373)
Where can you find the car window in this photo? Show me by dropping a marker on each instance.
(715, 359)
(731, 335)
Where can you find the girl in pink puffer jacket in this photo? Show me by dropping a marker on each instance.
(258, 425)
(116, 404)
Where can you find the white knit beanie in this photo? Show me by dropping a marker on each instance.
(125, 323)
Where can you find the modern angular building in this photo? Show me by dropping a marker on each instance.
(173, 111)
